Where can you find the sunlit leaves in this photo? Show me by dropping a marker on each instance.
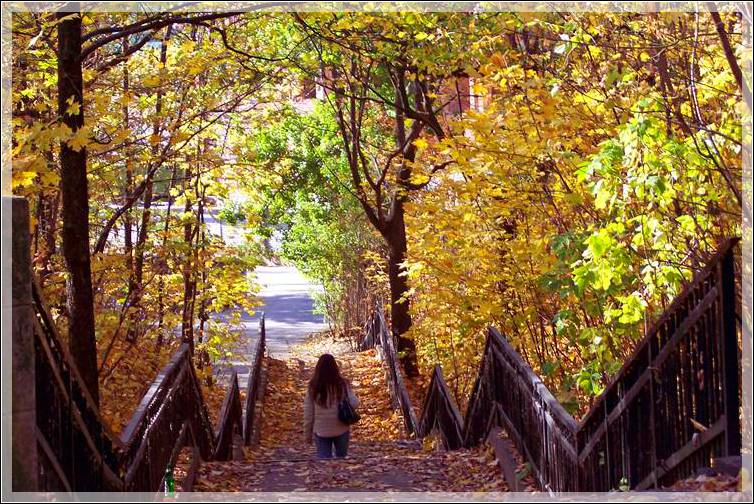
(585, 189)
(73, 106)
(595, 244)
(80, 139)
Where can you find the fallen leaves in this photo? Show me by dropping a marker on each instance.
(380, 458)
(707, 483)
(283, 411)
(121, 390)
(380, 467)
(524, 473)
(136, 366)
(214, 396)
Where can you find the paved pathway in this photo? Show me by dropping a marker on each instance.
(288, 308)
(288, 305)
(287, 297)
(289, 317)
(379, 458)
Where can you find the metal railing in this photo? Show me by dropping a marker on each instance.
(377, 335)
(672, 408)
(77, 452)
(253, 388)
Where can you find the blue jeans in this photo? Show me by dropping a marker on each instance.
(325, 445)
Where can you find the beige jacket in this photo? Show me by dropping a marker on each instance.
(324, 421)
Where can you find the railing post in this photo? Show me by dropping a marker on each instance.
(578, 471)
(22, 366)
(730, 355)
(262, 330)
(252, 391)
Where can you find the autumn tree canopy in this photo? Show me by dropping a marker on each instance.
(558, 175)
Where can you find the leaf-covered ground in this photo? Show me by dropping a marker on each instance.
(127, 376)
(379, 459)
(135, 368)
(524, 475)
(708, 483)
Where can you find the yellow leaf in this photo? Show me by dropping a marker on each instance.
(74, 107)
(152, 81)
(79, 140)
(421, 143)
(23, 178)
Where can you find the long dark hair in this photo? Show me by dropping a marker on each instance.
(327, 387)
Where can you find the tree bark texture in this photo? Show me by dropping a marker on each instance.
(75, 205)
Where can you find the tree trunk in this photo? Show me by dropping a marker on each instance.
(129, 186)
(203, 359)
(163, 264)
(730, 55)
(49, 204)
(187, 317)
(392, 226)
(136, 283)
(49, 200)
(75, 200)
(189, 284)
(400, 315)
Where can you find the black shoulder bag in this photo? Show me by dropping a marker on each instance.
(346, 413)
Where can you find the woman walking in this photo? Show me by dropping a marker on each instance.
(328, 396)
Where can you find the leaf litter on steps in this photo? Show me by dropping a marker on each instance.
(380, 458)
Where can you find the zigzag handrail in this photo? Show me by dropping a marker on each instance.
(378, 335)
(172, 414)
(692, 349)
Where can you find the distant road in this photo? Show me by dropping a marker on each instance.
(287, 297)
(286, 294)
(288, 307)
(289, 318)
